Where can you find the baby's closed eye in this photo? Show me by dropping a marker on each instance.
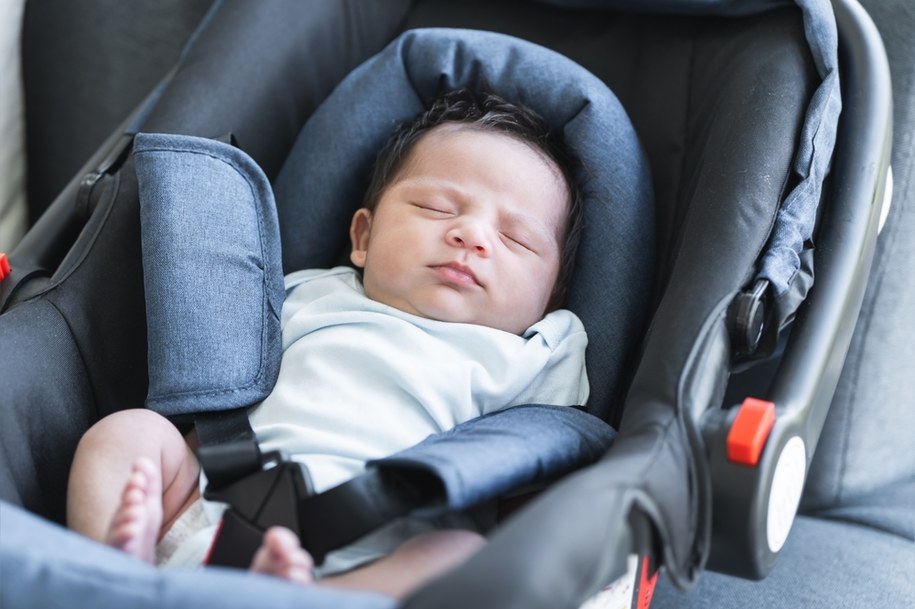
(434, 209)
(518, 240)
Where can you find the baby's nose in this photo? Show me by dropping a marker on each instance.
(471, 235)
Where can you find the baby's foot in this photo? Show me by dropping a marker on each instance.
(136, 523)
(281, 555)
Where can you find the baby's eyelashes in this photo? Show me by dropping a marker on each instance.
(434, 209)
(518, 241)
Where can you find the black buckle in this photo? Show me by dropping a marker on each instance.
(258, 501)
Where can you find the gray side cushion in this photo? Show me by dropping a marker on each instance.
(490, 456)
(212, 274)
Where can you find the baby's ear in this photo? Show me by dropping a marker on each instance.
(359, 230)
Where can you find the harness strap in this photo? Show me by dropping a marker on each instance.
(228, 449)
(343, 514)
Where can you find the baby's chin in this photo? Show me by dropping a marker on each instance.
(446, 309)
(512, 325)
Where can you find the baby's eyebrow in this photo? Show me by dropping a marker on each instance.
(433, 185)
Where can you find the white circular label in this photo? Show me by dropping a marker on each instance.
(785, 496)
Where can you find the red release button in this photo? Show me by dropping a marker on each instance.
(4, 266)
(750, 430)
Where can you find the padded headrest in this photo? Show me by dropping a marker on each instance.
(324, 178)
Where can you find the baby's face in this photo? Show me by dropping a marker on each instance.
(469, 231)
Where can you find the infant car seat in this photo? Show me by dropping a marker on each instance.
(679, 485)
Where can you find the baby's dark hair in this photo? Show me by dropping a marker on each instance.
(489, 112)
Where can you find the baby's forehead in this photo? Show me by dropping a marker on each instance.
(482, 131)
(477, 131)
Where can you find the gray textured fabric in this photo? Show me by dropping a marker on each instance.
(212, 272)
(795, 221)
(487, 457)
(86, 65)
(824, 565)
(44, 566)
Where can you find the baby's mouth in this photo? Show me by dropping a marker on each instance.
(457, 274)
